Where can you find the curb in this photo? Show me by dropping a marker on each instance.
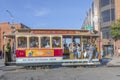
(113, 65)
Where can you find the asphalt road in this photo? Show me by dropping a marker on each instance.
(64, 73)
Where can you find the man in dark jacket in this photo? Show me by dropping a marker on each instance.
(7, 49)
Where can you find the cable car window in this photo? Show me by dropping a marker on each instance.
(22, 42)
(45, 42)
(34, 42)
(56, 42)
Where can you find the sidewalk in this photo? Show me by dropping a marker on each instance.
(1, 66)
(1, 63)
(115, 62)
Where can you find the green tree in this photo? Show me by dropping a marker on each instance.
(115, 30)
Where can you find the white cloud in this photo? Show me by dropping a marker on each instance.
(41, 12)
(37, 11)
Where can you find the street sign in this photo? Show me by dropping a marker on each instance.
(89, 27)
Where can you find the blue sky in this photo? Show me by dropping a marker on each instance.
(65, 14)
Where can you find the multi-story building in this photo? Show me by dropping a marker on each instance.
(106, 12)
(92, 18)
(7, 28)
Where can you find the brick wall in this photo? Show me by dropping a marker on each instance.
(5, 27)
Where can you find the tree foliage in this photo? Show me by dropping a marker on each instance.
(115, 30)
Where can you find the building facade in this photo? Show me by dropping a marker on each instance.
(92, 17)
(106, 12)
(117, 16)
(7, 28)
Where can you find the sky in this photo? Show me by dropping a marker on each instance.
(55, 14)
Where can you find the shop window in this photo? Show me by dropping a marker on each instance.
(22, 42)
(34, 43)
(45, 42)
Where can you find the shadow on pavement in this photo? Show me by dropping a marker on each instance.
(104, 61)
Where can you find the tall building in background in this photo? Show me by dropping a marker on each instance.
(105, 12)
(92, 17)
(96, 16)
(7, 28)
(107, 18)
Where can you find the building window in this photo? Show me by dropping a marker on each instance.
(105, 15)
(106, 32)
(103, 36)
(113, 14)
(112, 1)
(104, 3)
(107, 35)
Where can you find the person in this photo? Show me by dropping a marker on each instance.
(65, 46)
(74, 50)
(71, 51)
(78, 50)
(56, 43)
(70, 48)
(90, 52)
(48, 45)
(102, 53)
(96, 52)
(0, 54)
(85, 52)
(7, 49)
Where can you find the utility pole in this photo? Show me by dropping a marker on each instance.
(12, 27)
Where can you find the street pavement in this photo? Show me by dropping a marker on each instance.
(65, 73)
(4, 68)
(115, 62)
(1, 67)
(110, 62)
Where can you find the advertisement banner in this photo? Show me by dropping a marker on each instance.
(39, 53)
